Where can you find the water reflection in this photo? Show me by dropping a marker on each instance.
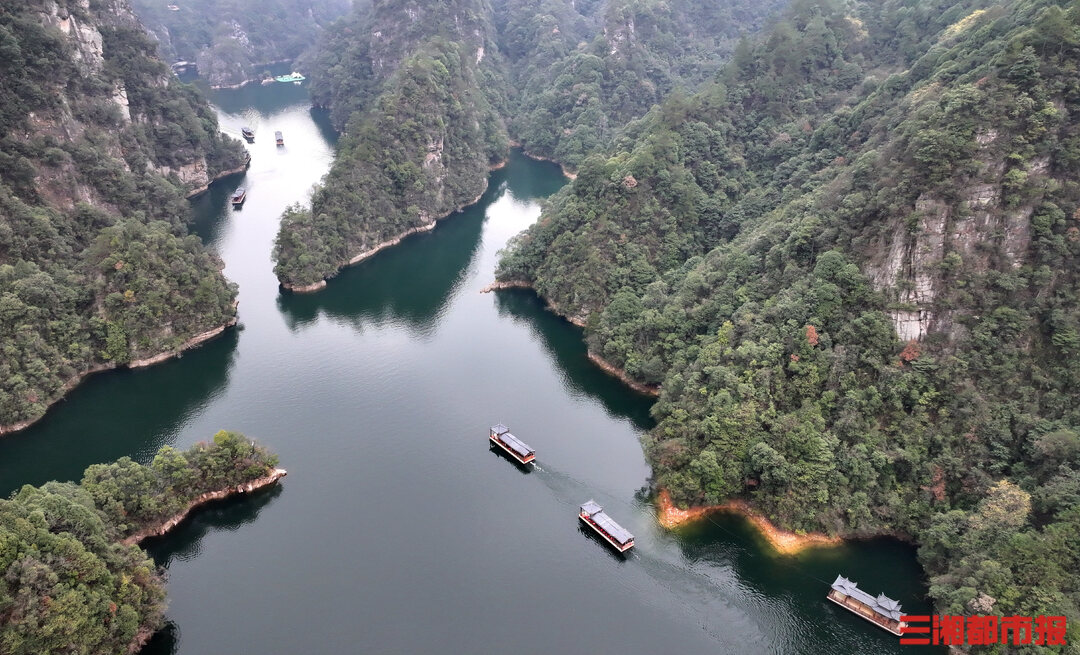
(185, 541)
(410, 286)
(117, 413)
(209, 209)
(564, 344)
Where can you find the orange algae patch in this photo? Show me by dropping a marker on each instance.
(783, 541)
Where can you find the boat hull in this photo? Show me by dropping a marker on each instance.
(508, 451)
(854, 611)
(611, 542)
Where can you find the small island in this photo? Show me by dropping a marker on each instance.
(72, 578)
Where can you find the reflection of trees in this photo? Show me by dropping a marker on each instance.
(410, 283)
(564, 343)
(165, 641)
(117, 413)
(229, 514)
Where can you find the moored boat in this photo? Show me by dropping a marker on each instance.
(248, 133)
(592, 514)
(239, 196)
(516, 448)
(291, 77)
(881, 610)
(279, 138)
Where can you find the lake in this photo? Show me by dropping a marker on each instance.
(398, 530)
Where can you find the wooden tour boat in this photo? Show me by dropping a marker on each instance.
(239, 196)
(882, 611)
(516, 448)
(592, 514)
(248, 133)
(280, 139)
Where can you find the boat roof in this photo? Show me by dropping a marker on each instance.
(591, 507)
(882, 604)
(614, 530)
(239, 190)
(516, 445)
(278, 133)
(499, 428)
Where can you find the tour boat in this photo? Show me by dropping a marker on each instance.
(593, 516)
(882, 611)
(239, 196)
(291, 77)
(516, 448)
(248, 133)
(280, 139)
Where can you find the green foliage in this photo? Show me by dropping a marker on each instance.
(581, 74)
(95, 264)
(231, 40)
(418, 150)
(807, 187)
(67, 584)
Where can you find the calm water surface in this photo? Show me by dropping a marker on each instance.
(398, 530)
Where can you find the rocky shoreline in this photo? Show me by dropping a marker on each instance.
(223, 174)
(165, 526)
(783, 541)
(145, 633)
(135, 363)
(623, 376)
(570, 175)
(426, 227)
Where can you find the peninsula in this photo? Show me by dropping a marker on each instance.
(46, 605)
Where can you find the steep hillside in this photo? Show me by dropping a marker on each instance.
(98, 148)
(233, 41)
(850, 266)
(581, 70)
(560, 77)
(423, 128)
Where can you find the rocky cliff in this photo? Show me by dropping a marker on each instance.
(99, 145)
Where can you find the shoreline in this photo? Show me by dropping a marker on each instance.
(621, 375)
(145, 633)
(782, 541)
(77, 379)
(165, 526)
(548, 305)
(194, 193)
(370, 252)
(568, 174)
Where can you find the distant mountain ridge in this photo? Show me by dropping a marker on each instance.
(232, 41)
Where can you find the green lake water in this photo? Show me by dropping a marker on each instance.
(397, 529)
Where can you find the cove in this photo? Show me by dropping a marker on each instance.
(397, 529)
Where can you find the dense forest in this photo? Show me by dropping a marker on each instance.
(99, 145)
(68, 583)
(234, 41)
(422, 128)
(430, 94)
(582, 70)
(849, 263)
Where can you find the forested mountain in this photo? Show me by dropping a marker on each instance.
(233, 41)
(98, 147)
(558, 76)
(850, 265)
(71, 581)
(582, 70)
(420, 89)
